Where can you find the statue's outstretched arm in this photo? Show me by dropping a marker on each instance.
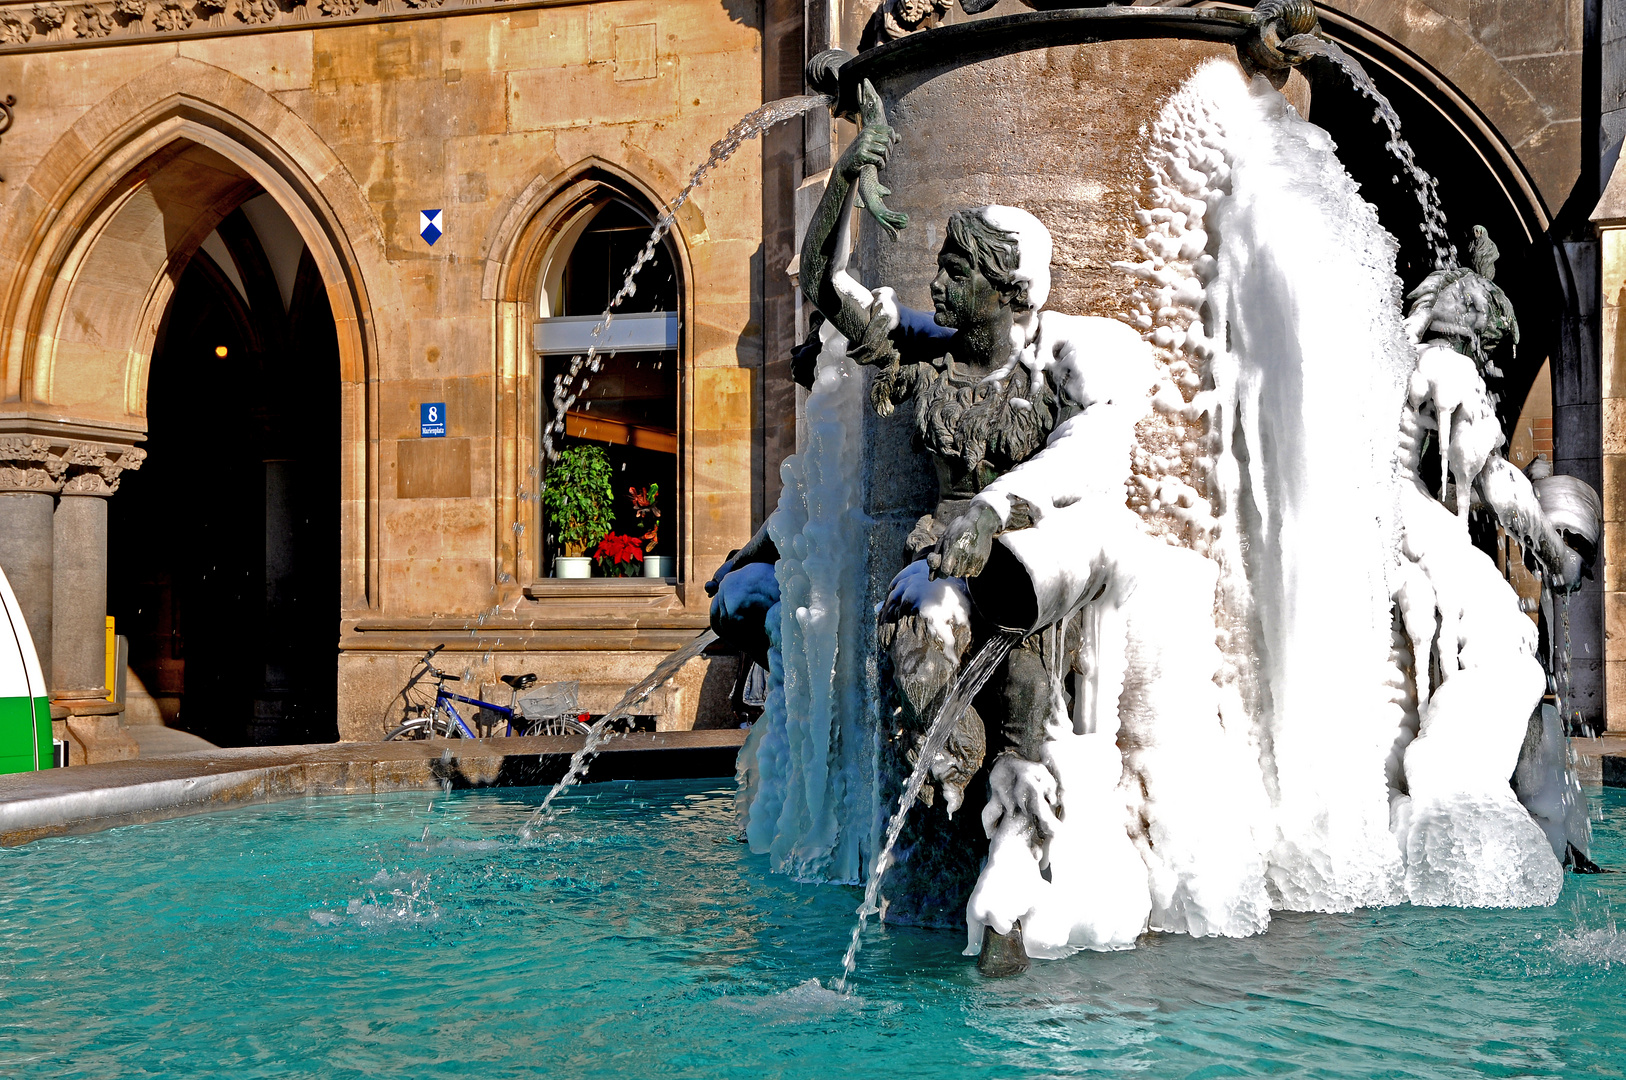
(1508, 493)
(826, 247)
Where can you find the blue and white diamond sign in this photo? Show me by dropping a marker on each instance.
(429, 225)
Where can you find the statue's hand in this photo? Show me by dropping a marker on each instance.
(723, 571)
(964, 549)
(876, 348)
(872, 147)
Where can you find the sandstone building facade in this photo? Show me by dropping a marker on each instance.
(220, 321)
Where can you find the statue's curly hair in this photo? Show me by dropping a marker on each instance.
(995, 252)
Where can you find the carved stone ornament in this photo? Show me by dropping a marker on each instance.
(33, 463)
(899, 18)
(172, 15)
(258, 12)
(91, 21)
(14, 31)
(30, 25)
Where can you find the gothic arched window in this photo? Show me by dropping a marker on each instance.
(629, 406)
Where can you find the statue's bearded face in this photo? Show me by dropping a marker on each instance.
(962, 295)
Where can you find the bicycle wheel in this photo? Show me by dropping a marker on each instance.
(557, 725)
(425, 727)
(412, 705)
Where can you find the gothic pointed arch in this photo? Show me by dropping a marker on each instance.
(106, 222)
(535, 229)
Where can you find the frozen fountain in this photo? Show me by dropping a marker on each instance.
(1191, 454)
(1124, 598)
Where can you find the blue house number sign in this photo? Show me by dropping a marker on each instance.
(432, 419)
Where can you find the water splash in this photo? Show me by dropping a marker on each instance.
(973, 675)
(1601, 947)
(601, 733)
(754, 123)
(407, 904)
(1425, 186)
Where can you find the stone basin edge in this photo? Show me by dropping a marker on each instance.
(91, 798)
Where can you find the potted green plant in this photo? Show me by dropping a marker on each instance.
(576, 495)
(648, 516)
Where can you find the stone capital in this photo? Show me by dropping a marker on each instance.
(62, 466)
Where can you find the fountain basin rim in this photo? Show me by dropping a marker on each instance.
(90, 798)
(970, 42)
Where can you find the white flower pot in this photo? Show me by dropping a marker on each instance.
(572, 566)
(658, 566)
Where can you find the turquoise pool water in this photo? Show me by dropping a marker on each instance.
(330, 938)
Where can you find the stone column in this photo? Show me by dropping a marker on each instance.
(31, 471)
(26, 557)
(78, 653)
(1610, 219)
(90, 476)
(55, 480)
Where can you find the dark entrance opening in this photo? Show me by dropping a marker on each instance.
(224, 548)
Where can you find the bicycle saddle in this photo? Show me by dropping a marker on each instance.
(521, 682)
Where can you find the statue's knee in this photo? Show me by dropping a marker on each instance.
(741, 607)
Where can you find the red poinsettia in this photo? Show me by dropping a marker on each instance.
(619, 556)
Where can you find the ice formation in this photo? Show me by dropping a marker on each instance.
(809, 796)
(1297, 683)
(1346, 587)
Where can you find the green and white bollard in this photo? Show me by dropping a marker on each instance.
(25, 709)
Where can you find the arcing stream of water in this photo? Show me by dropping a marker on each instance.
(974, 674)
(754, 123)
(1427, 188)
(601, 732)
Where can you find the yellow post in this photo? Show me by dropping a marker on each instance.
(112, 652)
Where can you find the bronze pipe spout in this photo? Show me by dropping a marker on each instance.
(1270, 48)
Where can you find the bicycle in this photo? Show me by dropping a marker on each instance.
(423, 715)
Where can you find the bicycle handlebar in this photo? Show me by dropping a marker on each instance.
(431, 669)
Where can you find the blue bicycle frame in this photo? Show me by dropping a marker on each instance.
(444, 699)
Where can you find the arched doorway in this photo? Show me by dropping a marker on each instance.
(112, 280)
(231, 604)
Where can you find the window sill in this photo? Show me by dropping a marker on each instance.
(602, 588)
